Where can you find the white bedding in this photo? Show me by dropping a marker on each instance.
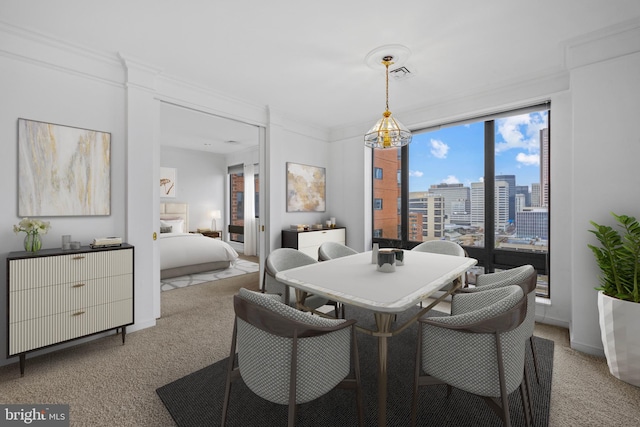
(181, 249)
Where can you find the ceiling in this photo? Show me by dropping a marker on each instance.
(307, 59)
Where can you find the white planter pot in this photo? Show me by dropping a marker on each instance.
(619, 322)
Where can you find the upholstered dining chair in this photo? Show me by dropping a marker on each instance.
(289, 357)
(526, 277)
(331, 250)
(285, 259)
(444, 247)
(477, 350)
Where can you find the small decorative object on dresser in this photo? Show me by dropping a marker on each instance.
(56, 296)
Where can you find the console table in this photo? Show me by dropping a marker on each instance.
(55, 296)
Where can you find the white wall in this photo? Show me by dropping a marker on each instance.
(200, 182)
(291, 142)
(606, 149)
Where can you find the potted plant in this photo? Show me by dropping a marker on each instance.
(618, 257)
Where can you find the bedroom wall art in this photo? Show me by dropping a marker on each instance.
(167, 182)
(305, 188)
(63, 170)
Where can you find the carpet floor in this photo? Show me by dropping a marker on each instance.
(240, 267)
(196, 399)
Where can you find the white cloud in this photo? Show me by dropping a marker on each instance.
(522, 132)
(451, 179)
(528, 159)
(416, 174)
(439, 149)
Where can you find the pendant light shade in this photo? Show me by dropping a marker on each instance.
(387, 132)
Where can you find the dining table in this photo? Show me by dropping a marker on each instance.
(354, 280)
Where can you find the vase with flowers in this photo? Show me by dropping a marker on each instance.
(33, 228)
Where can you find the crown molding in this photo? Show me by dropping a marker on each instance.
(602, 45)
(46, 51)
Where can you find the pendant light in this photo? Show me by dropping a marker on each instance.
(387, 132)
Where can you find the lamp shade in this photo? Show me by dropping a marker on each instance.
(387, 133)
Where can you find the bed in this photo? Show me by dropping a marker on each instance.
(184, 253)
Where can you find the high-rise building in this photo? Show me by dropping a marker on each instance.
(386, 194)
(501, 201)
(431, 208)
(524, 190)
(535, 195)
(533, 223)
(520, 203)
(457, 202)
(544, 167)
(511, 180)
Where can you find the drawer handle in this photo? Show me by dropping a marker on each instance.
(79, 313)
(79, 285)
(79, 257)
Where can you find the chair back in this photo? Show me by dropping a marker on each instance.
(444, 247)
(271, 350)
(279, 260)
(467, 350)
(331, 250)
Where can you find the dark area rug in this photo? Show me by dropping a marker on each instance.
(196, 400)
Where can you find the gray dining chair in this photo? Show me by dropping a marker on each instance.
(477, 350)
(282, 354)
(526, 277)
(285, 259)
(444, 247)
(331, 250)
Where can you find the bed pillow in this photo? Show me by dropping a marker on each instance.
(166, 229)
(177, 225)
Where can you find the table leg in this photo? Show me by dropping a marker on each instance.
(383, 323)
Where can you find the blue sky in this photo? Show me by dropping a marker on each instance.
(456, 154)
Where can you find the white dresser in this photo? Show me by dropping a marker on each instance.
(309, 241)
(57, 296)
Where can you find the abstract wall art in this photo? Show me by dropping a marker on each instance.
(63, 170)
(305, 188)
(167, 182)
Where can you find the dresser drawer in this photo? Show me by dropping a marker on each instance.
(67, 297)
(316, 238)
(30, 273)
(43, 331)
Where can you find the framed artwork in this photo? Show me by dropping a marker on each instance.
(63, 170)
(305, 188)
(167, 182)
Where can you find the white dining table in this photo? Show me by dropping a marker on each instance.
(354, 280)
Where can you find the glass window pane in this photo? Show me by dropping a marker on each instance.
(522, 182)
(444, 165)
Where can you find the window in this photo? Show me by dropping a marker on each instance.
(377, 173)
(483, 184)
(237, 201)
(377, 204)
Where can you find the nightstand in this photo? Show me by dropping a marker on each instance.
(214, 234)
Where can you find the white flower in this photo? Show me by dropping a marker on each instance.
(32, 226)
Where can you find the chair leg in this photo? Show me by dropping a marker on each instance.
(356, 369)
(292, 380)
(504, 398)
(535, 358)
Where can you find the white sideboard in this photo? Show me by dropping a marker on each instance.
(309, 241)
(56, 296)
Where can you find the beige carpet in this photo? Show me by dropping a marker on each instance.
(108, 384)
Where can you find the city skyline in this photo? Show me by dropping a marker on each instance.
(455, 155)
